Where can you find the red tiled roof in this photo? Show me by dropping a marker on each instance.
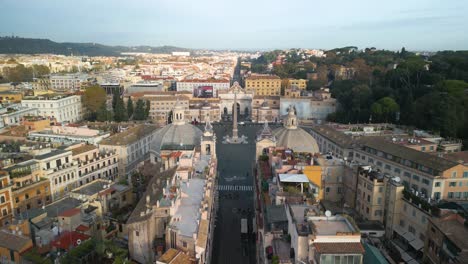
(70, 212)
(69, 238)
(82, 228)
(338, 248)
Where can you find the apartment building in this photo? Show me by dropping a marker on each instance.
(94, 164)
(263, 85)
(9, 97)
(15, 116)
(6, 204)
(431, 175)
(300, 84)
(132, 147)
(317, 238)
(67, 82)
(214, 85)
(59, 168)
(446, 239)
(60, 108)
(29, 189)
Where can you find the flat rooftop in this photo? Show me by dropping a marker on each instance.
(129, 136)
(331, 226)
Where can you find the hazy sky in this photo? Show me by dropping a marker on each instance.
(246, 24)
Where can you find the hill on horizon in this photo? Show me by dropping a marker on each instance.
(18, 45)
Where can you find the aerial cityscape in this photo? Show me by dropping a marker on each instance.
(179, 132)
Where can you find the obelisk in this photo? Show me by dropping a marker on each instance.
(235, 136)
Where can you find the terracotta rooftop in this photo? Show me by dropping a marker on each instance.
(70, 212)
(174, 256)
(339, 248)
(13, 241)
(67, 238)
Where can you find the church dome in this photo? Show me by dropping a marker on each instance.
(294, 137)
(178, 135)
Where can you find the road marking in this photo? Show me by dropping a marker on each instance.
(241, 188)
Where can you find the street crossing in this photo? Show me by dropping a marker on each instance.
(241, 188)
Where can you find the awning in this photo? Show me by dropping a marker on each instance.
(399, 230)
(409, 236)
(417, 244)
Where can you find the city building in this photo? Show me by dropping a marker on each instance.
(300, 84)
(112, 87)
(6, 200)
(10, 97)
(94, 164)
(67, 82)
(36, 123)
(14, 116)
(60, 108)
(265, 108)
(434, 176)
(323, 239)
(29, 188)
(15, 240)
(201, 110)
(69, 135)
(132, 146)
(446, 239)
(308, 108)
(243, 97)
(58, 167)
(203, 88)
(263, 85)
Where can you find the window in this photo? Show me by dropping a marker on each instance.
(425, 181)
(184, 244)
(368, 198)
(402, 223)
(437, 184)
(387, 167)
(407, 174)
(2, 199)
(450, 195)
(437, 195)
(379, 200)
(460, 184)
(457, 194)
(327, 190)
(397, 170)
(416, 177)
(423, 219)
(452, 184)
(26, 196)
(465, 174)
(454, 174)
(137, 233)
(414, 212)
(4, 212)
(411, 229)
(380, 189)
(339, 190)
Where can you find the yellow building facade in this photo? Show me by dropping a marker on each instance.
(263, 85)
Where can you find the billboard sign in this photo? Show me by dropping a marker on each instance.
(203, 92)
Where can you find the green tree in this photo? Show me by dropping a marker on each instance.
(120, 113)
(93, 97)
(147, 108)
(139, 110)
(115, 99)
(103, 114)
(385, 109)
(129, 107)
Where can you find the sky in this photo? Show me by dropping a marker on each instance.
(243, 24)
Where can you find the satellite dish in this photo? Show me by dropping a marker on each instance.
(397, 179)
(78, 242)
(328, 213)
